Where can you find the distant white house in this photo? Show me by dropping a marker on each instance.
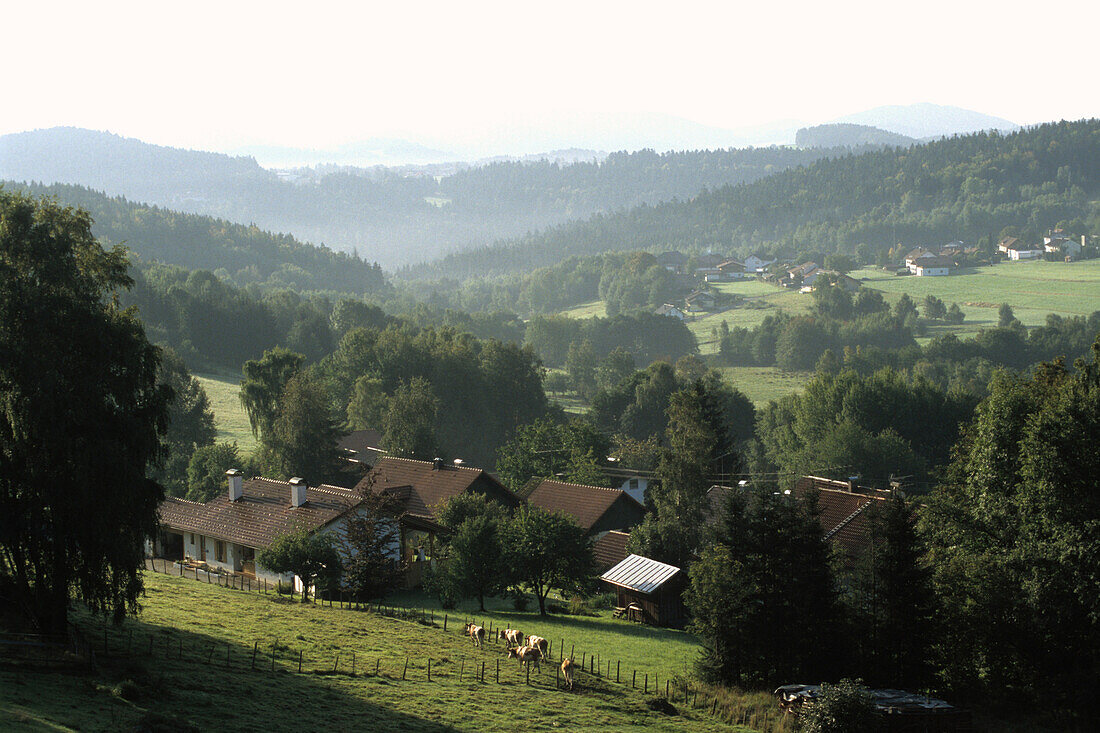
(1024, 254)
(671, 311)
(1063, 245)
(933, 267)
(756, 264)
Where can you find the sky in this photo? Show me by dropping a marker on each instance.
(221, 75)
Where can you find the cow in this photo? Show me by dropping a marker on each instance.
(539, 643)
(512, 637)
(526, 655)
(476, 633)
(567, 666)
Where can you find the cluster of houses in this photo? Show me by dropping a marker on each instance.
(1055, 243)
(713, 267)
(228, 533)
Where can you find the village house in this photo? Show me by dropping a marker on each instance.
(610, 550)
(672, 261)
(845, 512)
(1070, 248)
(1013, 249)
(933, 266)
(361, 446)
(754, 263)
(732, 268)
(671, 311)
(228, 532)
(420, 488)
(699, 301)
(596, 509)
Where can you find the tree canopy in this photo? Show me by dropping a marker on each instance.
(82, 416)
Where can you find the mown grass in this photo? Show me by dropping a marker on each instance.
(762, 384)
(591, 309)
(172, 661)
(229, 416)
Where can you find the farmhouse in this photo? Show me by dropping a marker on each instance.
(732, 268)
(648, 591)
(595, 508)
(754, 263)
(420, 488)
(671, 311)
(1063, 245)
(228, 531)
(845, 514)
(699, 301)
(610, 550)
(361, 446)
(933, 267)
(672, 261)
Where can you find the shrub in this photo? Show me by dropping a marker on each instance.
(845, 707)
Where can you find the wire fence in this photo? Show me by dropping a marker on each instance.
(487, 664)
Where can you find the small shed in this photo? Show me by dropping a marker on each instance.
(648, 591)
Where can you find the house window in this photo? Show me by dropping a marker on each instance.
(192, 538)
(633, 484)
(219, 551)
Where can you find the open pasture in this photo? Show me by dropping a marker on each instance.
(222, 659)
(229, 416)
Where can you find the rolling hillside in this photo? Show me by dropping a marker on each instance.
(965, 188)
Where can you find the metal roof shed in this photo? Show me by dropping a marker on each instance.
(653, 587)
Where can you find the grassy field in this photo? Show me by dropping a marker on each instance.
(1033, 289)
(229, 417)
(761, 384)
(190, 627)
(587, 310)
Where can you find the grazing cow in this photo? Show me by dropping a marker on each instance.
(538, 642)
(526, 655)
(475, 632)
(567, 666)
(512, 637)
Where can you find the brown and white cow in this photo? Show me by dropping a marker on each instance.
(539, 643)
(476, 633)
(512, 637)
(526, 655)
(567, 666)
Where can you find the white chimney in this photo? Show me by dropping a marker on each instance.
(298, 491)
(235, 490)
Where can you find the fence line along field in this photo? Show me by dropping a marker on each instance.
(204, 657)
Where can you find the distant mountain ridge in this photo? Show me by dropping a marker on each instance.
(391, 216)
(926, 121)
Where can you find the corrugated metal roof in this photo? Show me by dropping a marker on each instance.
(640, 574)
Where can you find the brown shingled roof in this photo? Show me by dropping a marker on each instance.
(261, 514)
(422, 486)
(586, 504)
(610, 549)
(845, 514)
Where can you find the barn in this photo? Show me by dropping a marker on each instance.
(648, 591)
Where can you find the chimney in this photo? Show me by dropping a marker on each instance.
(437, 464)
(235, 490)
(298, 491)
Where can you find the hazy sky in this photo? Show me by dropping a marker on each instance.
(217, 75)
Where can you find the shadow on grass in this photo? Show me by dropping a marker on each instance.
(158, 678)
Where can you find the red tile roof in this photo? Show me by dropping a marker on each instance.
(610, 549)
(586, 504)
(261, 514)
(421, 485)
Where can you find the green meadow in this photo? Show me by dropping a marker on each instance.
(202, 657)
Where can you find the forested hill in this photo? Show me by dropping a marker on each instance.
(390, 216)
(965, 188)
(847, 135)
(240, 254)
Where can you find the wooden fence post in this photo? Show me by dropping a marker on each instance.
(406, 668)
(444, 622)
(299, 661)
(646, 690)
(617, 663)
(255, 648)
(353, 664)
(429, 669)
(461, 669)
(273, 657)
(336, 664)
(528, 668)
(498, 670)
(666, 689)
(483, 672)
(634, 680)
